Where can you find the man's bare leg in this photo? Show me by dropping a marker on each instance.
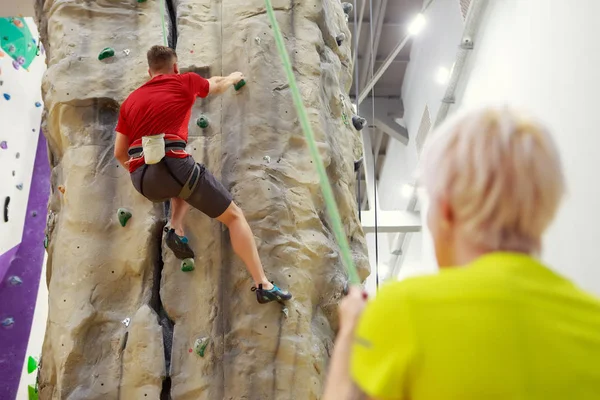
(243, 244)
(179, 209)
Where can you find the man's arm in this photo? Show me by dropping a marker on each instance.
(121, 148)
(219, 84)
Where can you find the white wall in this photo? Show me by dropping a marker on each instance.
(19, 127)
(545, 56)
(435, 46)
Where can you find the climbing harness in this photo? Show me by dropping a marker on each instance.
(190, 184)
(164, 146)
(170, 145)
(332, 208)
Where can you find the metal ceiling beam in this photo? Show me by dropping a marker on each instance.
(382, 59)
(368, 167)
(386, 113)
(391, 221)
(361, 15)
(385, 24)
(369, 85)
(377, 150)
(372, 50)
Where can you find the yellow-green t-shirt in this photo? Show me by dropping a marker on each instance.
(504, 327)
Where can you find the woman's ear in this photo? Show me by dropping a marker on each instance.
(446, 212)
(176, 68)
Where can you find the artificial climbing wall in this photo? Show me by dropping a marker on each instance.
(123, 318)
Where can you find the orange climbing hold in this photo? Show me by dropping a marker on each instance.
(61, 189)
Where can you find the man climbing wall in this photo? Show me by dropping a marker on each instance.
(124, 320)
(154, 119)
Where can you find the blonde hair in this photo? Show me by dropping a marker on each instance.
(501, 174)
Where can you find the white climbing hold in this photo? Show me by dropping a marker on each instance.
(127, 52)
(126, 322)
(286, 311)
(257, 40)
(267, 159)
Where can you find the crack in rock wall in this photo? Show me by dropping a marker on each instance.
(100, 273)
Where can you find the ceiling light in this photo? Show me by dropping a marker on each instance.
(416, 25)
(407, 190)
(442, 76)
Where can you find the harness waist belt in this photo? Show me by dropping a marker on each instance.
(137, 151)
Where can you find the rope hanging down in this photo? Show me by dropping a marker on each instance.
(357, 111)
(374, 206)
(332, 208)
(164, 24)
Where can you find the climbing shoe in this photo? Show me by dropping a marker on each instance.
(266, 296)
(178, 245)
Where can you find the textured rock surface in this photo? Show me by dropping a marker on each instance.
(100, 273)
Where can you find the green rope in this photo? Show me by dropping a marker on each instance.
(164, 25)
(334, 214)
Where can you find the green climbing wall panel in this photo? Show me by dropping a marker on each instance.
(17, 41)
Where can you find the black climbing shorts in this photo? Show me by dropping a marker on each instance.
(165, 180)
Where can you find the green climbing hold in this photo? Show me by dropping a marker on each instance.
(106, 53)
(141, 1)
(32, 392)
(200, 345)
(124, 215)
(188, 265)
(46, 241)
(345, 119)
(239, 85)
(202, 122)
(31, 365)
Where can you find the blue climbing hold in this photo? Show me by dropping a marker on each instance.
(15, 281)
(7, 96)
(38, 104)
(8, 322)
(20, 186)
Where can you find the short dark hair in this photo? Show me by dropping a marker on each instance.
(161, 58)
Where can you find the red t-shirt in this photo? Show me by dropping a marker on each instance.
(162, 105)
